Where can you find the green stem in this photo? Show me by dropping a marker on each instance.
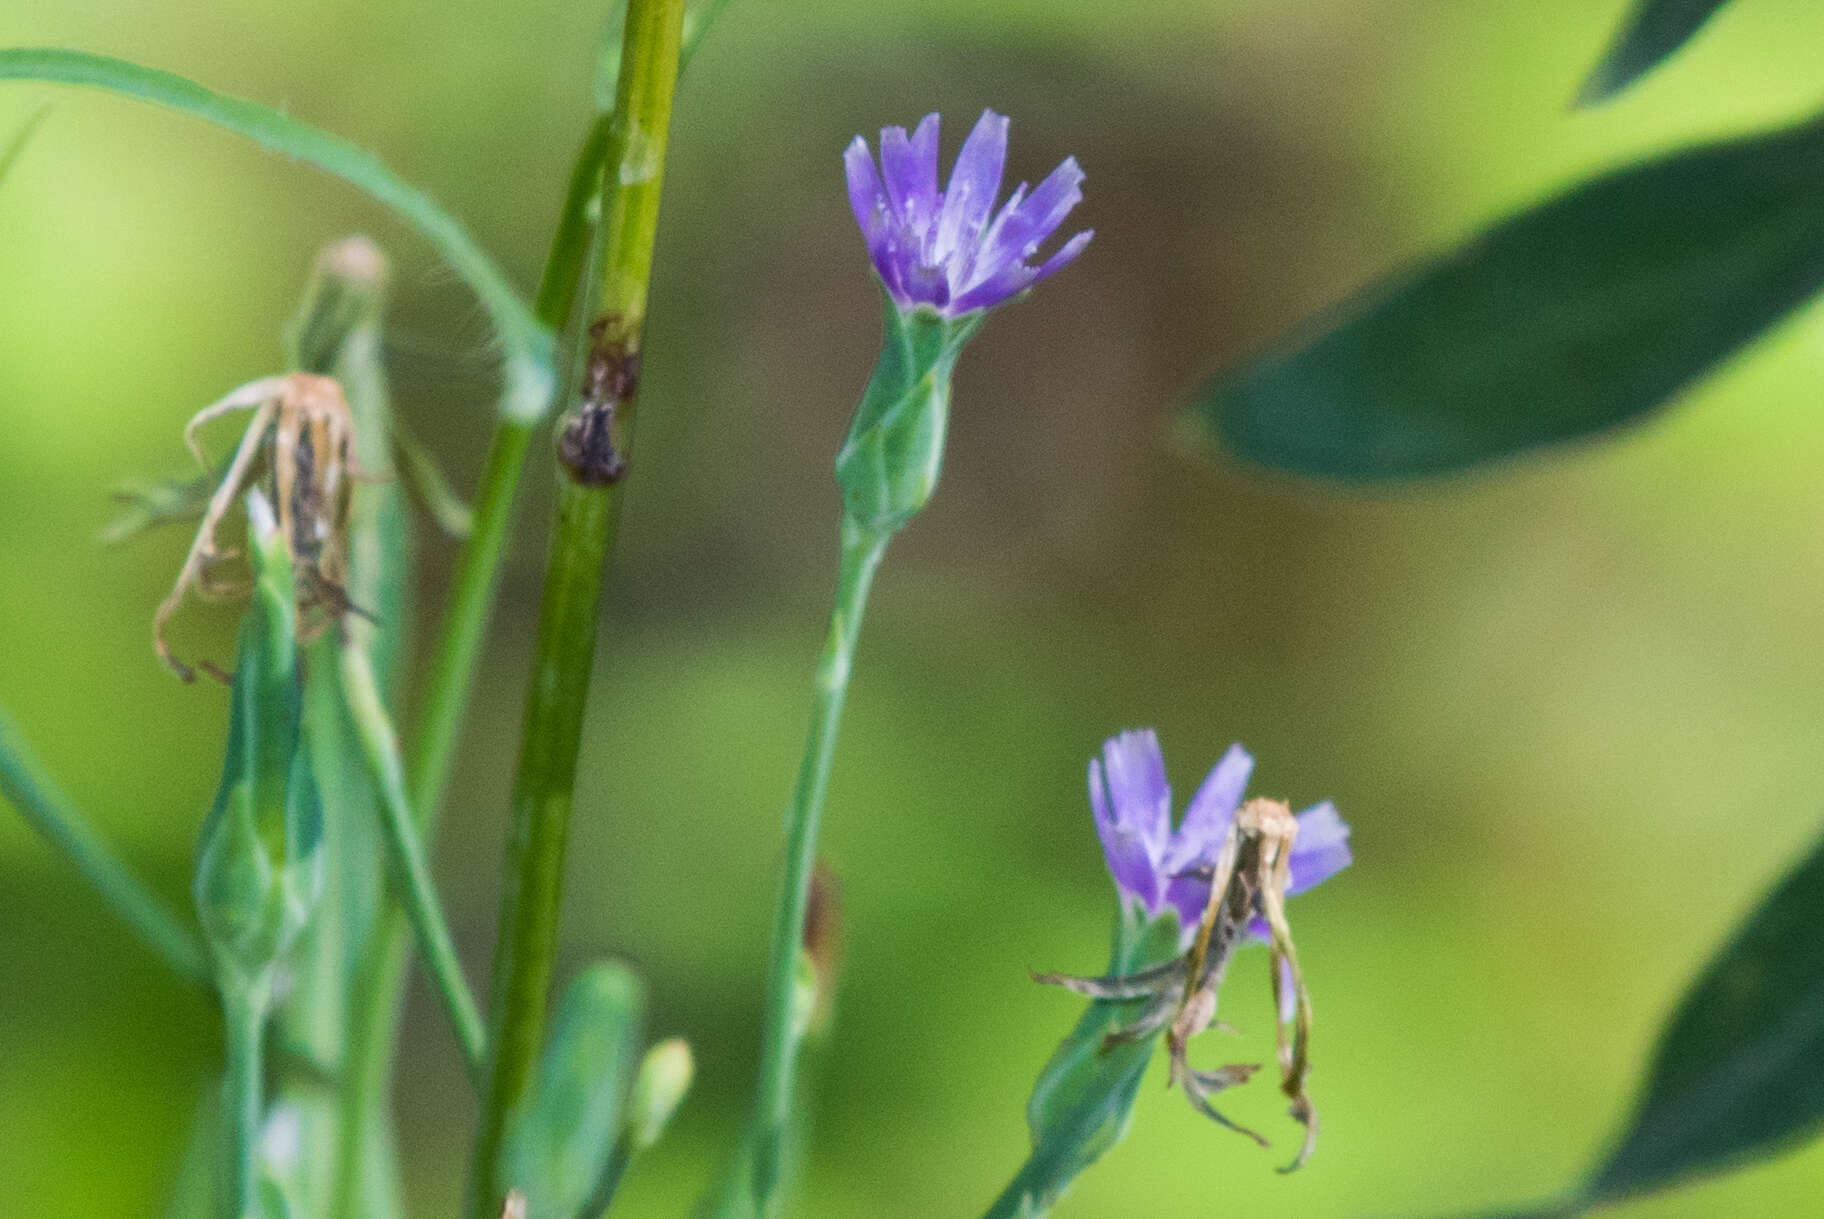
(244, 1007)
(557, 287)
(458, 645)
(597, 435)
(377, 997)
(780, 1037)
(50, 812)
(416, 891)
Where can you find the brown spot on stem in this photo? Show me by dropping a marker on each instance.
(611, 378)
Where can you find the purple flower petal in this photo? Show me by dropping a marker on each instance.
(1011, 280)
(1322, 849)
(1129, 861)
(1188, 895)
(939, 249)
(866, 197)
(976, 180)
(1137, 790)
(1207, 818)
(1131, 801)
(1062, 257)
(909, 168)
(1018, 232)
(868, 200)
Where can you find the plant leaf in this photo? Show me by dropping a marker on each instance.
(1587, 311)
(1739, 1072)
(519, 330)
(1655, 29)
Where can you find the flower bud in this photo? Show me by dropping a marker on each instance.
(258, 867)
(558, 1149)
(889, 464)
(665, 1076)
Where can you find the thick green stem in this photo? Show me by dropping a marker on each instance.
(780, 1037)
(47, 810)
(377, 997)
(244, 1008)
(412, 874)
(596, 437)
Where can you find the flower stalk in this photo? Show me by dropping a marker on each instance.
(594, 439)
(245, 1008)
(411, 870)
(782, 1034)
(943, 260)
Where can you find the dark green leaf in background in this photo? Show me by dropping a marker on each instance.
(1655, 29)
(1740, 1069)
(1585, 312)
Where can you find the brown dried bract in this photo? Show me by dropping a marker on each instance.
(299, 447)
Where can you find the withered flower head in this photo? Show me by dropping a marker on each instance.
(1158, 867)
(298, 449)
(1225, 873)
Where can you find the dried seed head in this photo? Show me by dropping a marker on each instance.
(1249, 883)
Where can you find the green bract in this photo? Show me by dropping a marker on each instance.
(560, 1144)
(1084, 1098)
(888, 466)
(258, 867)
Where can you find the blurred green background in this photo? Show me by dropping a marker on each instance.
(1574, 708)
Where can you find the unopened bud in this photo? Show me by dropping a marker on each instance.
(665, 1076)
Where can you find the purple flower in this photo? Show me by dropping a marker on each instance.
(939, 249)
(1149, 860)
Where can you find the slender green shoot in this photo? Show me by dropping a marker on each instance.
(416, 891)
(781, 1035)
(244, 1012)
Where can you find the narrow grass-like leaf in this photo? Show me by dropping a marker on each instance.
(1585, 312)
(1654, 30)
(519, 330)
